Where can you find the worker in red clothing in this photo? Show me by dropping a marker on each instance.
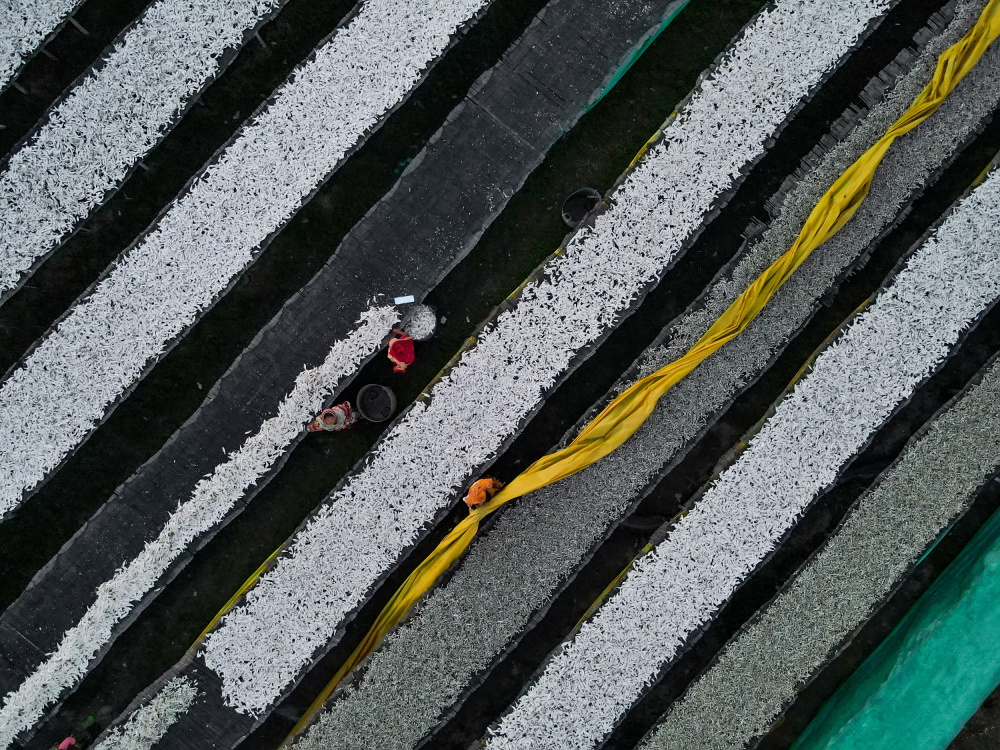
(401, 351)
(482, 491)
(334, 419)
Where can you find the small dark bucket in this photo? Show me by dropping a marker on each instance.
(578, 205)
(376, 403)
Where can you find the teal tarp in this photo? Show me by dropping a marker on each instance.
(921, 685)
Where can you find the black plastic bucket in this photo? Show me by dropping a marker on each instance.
(376, 403)
(578, 205)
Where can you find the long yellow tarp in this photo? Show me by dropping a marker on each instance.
(625, 414)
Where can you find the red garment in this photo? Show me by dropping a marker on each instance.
(342, 417)
(401, 351)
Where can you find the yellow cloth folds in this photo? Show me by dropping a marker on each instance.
(625, 414)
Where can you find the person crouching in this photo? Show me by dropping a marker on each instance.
(334, 419)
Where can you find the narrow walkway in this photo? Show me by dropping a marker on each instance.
(942, 289)
(268, 674)
(404, 246)
(556, 537)
(934, 481)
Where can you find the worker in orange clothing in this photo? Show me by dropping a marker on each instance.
(482, 491)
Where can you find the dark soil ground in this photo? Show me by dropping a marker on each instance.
(592, 154)
(66, 55)
(982, 732)
(503, 684)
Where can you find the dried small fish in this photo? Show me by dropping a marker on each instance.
(512, 572)
(181, 266)
(23, 27)
(854, 386)
(213, 497)
(418, 466)
(151, 721)
(789, 641)
(105, 125)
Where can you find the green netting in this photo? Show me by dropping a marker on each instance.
(636, 54)
(921, 685)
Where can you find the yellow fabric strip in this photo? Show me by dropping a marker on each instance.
(625, 414)
(247, 584)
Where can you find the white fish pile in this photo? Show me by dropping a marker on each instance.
(421, 322)
(262, 645)
(855, 385)
(50, 404)
(213, 497)
(24, 25)
(112, 119)
(511, 572)
(763, 668)
(148, 724)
